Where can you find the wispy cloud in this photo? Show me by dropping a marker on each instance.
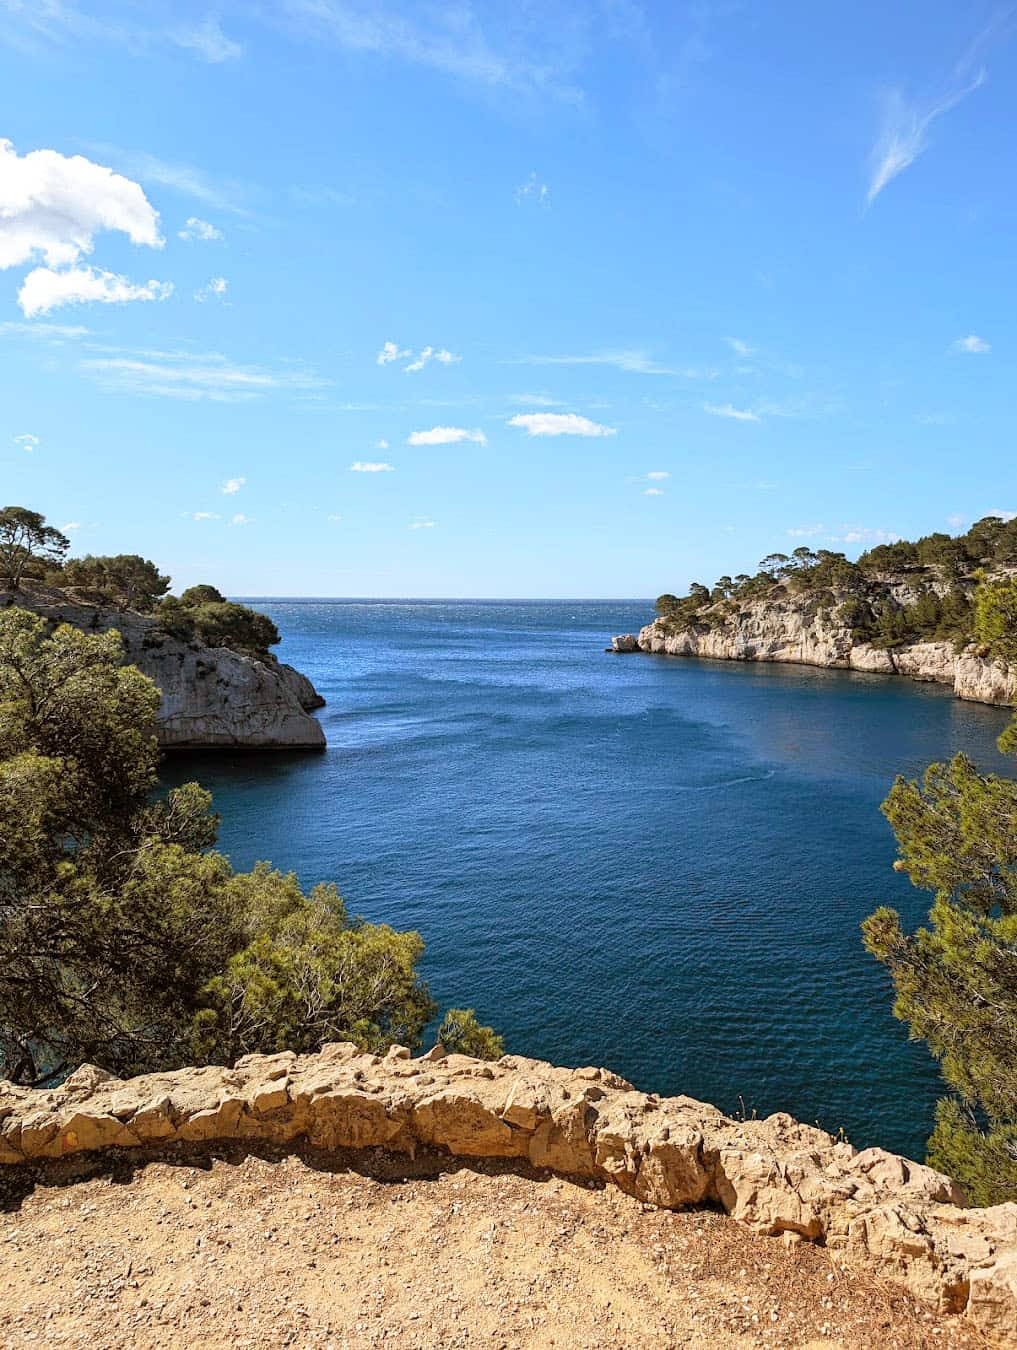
(536, 400)
(197, 229)
(241, 519)
(191, 375)
(905, 130)
(233, 485)
(865, 534)
(657, 474)
(392, 352)
(446, 436)
(739, 347)
(208, 41)
(806, 531)
(201, 515)
(653, 492)
(371, 466)
(215, 289)
(559, 424)
(636, 362)
(186, 179)
(533, 190)
(27, 442)
(729, 410)
(972, 345)
(53, 334)
(421, 525)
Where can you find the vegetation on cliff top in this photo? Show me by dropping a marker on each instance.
(125, 939)
(32, 550)
(948, 588)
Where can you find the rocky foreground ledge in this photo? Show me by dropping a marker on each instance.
(872, 1210)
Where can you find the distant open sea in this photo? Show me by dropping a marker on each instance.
(655, 864)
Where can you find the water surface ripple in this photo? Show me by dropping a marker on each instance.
(650, 863)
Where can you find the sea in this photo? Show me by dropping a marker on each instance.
(650, 863)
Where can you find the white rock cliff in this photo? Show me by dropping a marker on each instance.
(212, 697)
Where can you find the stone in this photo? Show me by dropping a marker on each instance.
(897, 1220)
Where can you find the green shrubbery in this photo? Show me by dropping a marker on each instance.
(956, 980)
(202, 612)
(125, 940)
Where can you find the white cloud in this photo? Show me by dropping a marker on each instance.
(71, 526)
(559, 424)
(390, 352)
(195, 375)
(209, 41)
(806, 531)
(197, 229)
(739, 347)
(537, 400)
(904, 134)
(334, 518)
(241, 519)
(956, 521)
(972, 344)
(53, 206)
(44, 290)
(446, 436)
(27, 441)
(1003, 515)
(202, 515)
(214, 290)
(533, 191)
(233, 485)
(658, 474)
(636, 362)
(653, 492)
(369, 466)
(382, 444)
(865, 534)
(422, 525)
(728, 410)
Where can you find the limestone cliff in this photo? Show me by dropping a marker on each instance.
(212, 697)
(871, 1210)
(807, 630)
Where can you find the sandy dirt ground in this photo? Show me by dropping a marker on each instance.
(240, 1248)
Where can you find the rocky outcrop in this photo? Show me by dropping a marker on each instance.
(872, 1210)
(625, 642)
(797, 630)
(212, 697)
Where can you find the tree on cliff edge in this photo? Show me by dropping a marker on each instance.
(124, 939)
(956, 980)
(25, 538)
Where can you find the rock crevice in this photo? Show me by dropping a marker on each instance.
(872, 1210)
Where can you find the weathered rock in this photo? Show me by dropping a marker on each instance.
(625, 642)
(872, 1210)
(211, 696)
(799, 630)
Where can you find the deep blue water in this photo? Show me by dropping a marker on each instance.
(650, 863)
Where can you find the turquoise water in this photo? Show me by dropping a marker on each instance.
(650, 863)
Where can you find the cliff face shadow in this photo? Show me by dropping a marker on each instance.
(120, 1167)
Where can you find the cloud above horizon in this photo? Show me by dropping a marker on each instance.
(233, 485)
(904, 133)
(729, 410)
(44, 289)
(371, 466)
(446, 436)
(559, 424)
(195, 229)
(972, 344)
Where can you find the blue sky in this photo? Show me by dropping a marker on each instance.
(623, 295)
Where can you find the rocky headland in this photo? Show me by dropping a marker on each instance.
(873, 1212)
(940, 609)
(795, 629)
(212, 697)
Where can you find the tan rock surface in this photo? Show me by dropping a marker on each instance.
(873, 1211)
